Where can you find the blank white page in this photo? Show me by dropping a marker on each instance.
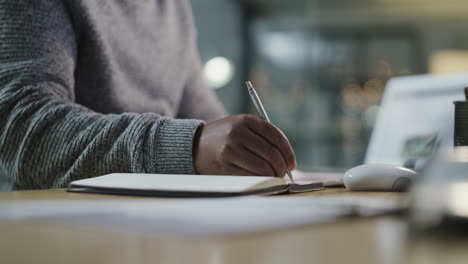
(179, 182)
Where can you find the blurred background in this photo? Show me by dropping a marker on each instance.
(320, 66)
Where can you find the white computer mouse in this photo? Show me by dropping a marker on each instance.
(378, 177)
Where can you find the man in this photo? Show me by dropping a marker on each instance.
(93, 87)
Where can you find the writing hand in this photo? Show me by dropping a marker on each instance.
(242, 145)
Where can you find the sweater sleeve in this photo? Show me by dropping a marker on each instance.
(199, 100)
(46, 139)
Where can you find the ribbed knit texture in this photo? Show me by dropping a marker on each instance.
(92, 87)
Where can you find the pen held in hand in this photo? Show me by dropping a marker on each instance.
(261, 112)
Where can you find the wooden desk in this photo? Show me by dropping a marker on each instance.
(371, 240)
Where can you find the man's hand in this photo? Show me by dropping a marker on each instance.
(242, 145)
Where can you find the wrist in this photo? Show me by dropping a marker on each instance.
(195, 146)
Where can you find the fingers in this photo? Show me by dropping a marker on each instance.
(242, 145)
(235, 170)
(275, 137)
(267, 151)
(246, 160)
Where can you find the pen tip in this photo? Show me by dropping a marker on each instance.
(249, 84)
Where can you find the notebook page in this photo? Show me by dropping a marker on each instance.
(179, 182)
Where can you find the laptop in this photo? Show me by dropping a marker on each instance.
(415, 118)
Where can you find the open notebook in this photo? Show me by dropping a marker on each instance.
(176, 185)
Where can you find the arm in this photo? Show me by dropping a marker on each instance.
(46, 140)
(233, 145)
(198, 100)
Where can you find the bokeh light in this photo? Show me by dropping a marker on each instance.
(218, 72)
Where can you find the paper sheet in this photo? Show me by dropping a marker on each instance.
(177, 182)
(327, 178)
(197, 216)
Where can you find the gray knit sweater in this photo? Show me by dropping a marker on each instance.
(89, 87)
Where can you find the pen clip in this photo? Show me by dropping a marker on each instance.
(256, 101)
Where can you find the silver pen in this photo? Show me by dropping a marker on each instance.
(261, 112)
